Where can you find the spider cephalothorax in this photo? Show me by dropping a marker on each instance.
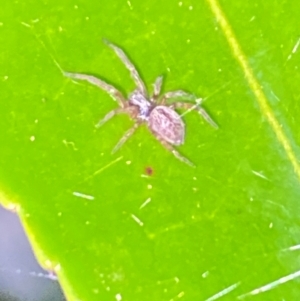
(136, 98)
(162, 119)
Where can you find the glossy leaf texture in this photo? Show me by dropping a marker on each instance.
(139, 224)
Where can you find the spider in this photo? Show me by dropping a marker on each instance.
(154, 110)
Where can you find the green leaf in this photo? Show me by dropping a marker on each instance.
(140, 224)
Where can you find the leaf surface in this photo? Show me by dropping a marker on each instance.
(140, 224)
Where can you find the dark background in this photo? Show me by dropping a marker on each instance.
(21, 277)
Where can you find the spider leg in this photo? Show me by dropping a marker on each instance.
(126, 136)
(170, 148)
(109, 115)
(197, 107)
(128, 64)
(157, 87)
(131, 111)
(174, 94)
(111, 90)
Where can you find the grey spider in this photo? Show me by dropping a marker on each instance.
(162, 119)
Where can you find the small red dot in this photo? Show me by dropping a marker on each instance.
(149, 171)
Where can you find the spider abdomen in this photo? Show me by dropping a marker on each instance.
(167, 124)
